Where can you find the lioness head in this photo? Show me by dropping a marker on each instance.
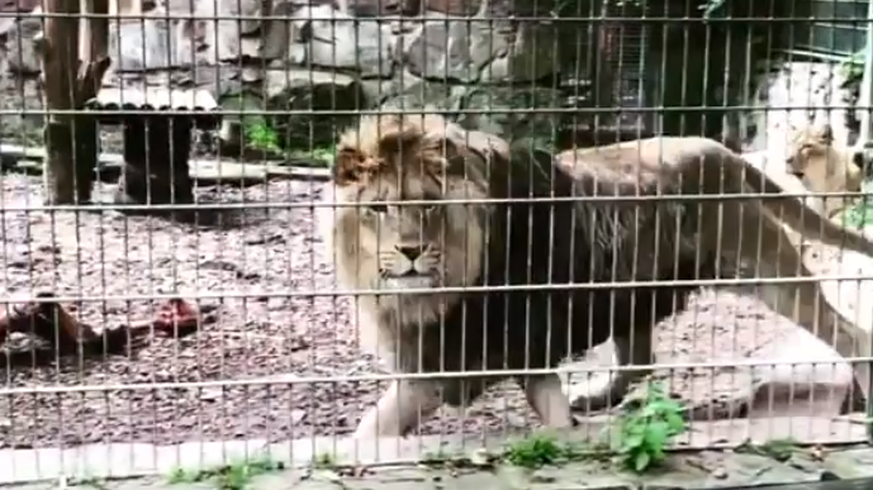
(813, 158)
(399, 235)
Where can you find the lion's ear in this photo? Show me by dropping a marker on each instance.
(825, 133)
(349, 167)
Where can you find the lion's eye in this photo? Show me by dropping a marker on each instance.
(378, 208)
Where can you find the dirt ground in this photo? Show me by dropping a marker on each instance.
(108, 254)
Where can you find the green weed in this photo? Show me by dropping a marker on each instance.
(261, 136)
(646, 427)
(858, 215)
(324, 461)
(234, 476)
(539, 450)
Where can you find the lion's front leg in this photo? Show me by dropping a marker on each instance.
(402, 407)
(545, 394)
(634, 350)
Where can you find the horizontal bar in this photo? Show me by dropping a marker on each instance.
(734, 282)
(314, 204)
(307, 380)
(431, 110)
(592, 19)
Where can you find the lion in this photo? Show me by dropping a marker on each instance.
(823, 168)
(476, 255)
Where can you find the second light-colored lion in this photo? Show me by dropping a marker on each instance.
(824, 168)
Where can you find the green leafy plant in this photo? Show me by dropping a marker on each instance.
(261, 136)
(858, 215)
(540, 450)
(647, 426)
(853, 67)
(234, 476)
(324, 461)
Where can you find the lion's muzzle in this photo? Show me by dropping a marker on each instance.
(409, 266)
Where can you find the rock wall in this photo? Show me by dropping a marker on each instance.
(299, 55)
(348, 55)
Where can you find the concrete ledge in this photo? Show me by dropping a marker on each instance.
(130, 460)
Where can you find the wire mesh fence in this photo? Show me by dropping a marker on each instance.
(229, 232)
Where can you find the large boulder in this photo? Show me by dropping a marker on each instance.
(502, 110)
(469, 51)
(317, 94)
(513, 112)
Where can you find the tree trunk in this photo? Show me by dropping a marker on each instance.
(71, 140)
(72, 145)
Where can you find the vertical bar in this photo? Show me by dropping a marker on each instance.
(864, 142)
(864, 99)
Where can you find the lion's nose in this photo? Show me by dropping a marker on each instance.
(411, 252)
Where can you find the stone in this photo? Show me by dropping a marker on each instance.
(212, 41)
(479, 50)
(492, 108)
(7, 22)
(416, 93)
(479, 480)
(139, 47)
(753, 470)
(304, 89)
(851, 463)
(496, 111)
(18, 48)
(345, 44)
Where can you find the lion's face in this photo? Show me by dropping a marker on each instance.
(401, 235)
(408, 242)
(813, 158)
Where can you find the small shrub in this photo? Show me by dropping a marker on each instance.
(234, 476)
(260, 135)
(538, 450)
(324, 461)
(646, 427)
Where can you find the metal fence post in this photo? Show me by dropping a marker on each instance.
(864, 99)
(864, 141)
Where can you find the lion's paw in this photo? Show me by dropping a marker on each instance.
(591, 394)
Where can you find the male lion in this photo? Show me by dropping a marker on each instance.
(822, 168)
(518, 282)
